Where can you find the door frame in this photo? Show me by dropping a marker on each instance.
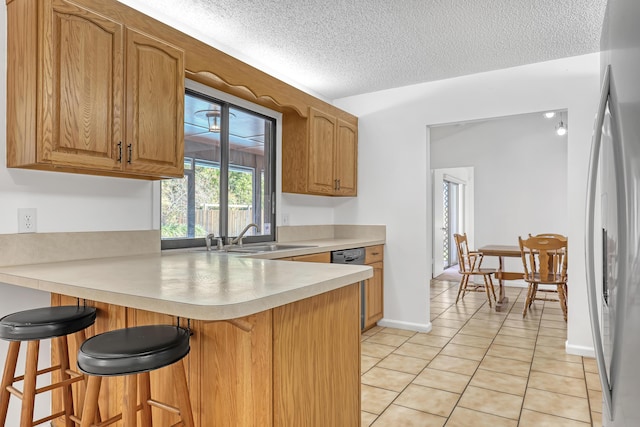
(464, 177)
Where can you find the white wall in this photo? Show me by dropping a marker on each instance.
(520, 170)
(394, 182)
(306, 210)
(66, 202)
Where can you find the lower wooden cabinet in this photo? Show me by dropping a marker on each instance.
(373, 302)
(319, 257)
(373, 305)
(291, 366)
(316, 361)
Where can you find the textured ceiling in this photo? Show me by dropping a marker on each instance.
(338, 48)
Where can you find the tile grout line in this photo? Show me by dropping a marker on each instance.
(478, 367)
(467, 321)
(526, 387)
(531, 370)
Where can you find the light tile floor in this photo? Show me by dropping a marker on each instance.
(478, 367)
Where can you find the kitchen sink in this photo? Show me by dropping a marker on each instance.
(268, 247)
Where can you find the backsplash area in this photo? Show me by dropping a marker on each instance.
(36, 248)
(338, 231)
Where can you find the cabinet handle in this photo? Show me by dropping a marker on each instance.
(335, 184)
(120, 152)
(129, 153)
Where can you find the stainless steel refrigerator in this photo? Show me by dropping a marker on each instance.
(613, 217)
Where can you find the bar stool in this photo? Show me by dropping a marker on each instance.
(32, 326)
(133, 353)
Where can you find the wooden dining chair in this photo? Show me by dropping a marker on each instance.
(554, 235)
(544, 259)
(469, 265)
(555, 259)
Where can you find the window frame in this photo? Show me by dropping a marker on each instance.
(227, 101)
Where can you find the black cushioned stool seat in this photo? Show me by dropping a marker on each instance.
(133, 350)
(129, 352)
(46, 322)
(34, 325)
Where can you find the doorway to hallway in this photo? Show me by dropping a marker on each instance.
(452, 213)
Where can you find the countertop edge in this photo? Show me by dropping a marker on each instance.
(195, 311)
(155, 302)
(312, 247)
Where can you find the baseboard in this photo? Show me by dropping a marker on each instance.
(418, 327)
(579, 350)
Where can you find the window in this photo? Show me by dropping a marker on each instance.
(229, 174)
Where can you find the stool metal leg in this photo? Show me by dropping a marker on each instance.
(29, 391)
(182, 392)
(7, 378)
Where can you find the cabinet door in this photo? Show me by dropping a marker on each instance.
(155, 106)
(374, 296)
(346, 159)
(316, 361)
(82, 99)
(319, 257)
(322, 131)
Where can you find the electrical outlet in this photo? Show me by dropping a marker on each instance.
(285, 219)
(27, 220)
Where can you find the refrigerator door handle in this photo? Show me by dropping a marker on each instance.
(589, 244)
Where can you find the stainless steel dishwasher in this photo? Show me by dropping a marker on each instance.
(352, 256)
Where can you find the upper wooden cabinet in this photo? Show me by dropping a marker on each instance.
(346, 159)
(87, 94)
(319, 155)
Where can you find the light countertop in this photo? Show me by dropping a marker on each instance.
(314, 246)
(194, 283)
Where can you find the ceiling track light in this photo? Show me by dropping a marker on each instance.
(550, 114)
(561, 128)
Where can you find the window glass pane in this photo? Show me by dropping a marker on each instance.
(207, 199)
(228, 181)
(250, 139)
(174, 208)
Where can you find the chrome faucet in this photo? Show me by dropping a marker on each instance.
(208, 240)
(238, 240)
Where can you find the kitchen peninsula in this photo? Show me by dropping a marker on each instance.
(274, 343)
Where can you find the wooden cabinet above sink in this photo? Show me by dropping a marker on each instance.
(81, 98)
(319, 155)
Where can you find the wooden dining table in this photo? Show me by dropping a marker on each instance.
(502, 251)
